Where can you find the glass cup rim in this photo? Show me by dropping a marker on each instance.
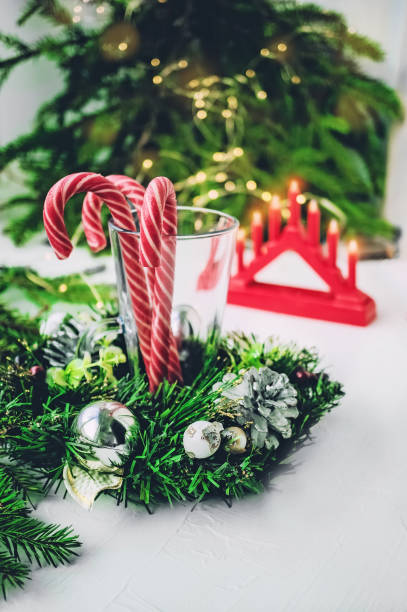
(234, 224)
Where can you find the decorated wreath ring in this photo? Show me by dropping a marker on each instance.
(245, 405)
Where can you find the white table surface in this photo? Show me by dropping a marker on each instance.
(330, 535)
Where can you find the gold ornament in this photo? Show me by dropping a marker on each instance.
(235, 440)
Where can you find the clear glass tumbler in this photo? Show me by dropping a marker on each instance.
(205, 245)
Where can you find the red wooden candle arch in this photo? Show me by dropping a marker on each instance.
(343, 303)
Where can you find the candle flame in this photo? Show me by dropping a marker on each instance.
(257, 218)
(333, 227)
(353, 247)
(313, 206)
(241, 235)
(294, 185)
(275, 202)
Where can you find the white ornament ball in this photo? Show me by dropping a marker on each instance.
(235, 440)
(202, 439)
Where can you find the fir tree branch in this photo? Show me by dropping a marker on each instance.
(13, 573)
(21, 534)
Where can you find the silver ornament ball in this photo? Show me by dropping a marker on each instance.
(105, 426)
(202, 439)
(235, 440)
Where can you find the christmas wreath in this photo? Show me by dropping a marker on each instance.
(75, 416)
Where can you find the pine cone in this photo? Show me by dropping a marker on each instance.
(61, 347)
(266, 401)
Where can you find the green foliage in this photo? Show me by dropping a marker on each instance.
(158, 469)
(25, 540)
(18, 327)
(323, 120)
(83, 368)
(45, 292)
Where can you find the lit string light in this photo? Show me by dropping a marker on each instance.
(205, 100)
(230, 186)
(221, 177)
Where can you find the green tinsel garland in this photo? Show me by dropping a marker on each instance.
(38, 439)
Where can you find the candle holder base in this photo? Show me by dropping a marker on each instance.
(342, 303)
(354, 308)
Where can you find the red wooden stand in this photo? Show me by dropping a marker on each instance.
(343, 303)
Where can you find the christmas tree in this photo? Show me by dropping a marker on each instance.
(230, 99)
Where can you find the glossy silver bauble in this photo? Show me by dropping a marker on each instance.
(105, 426)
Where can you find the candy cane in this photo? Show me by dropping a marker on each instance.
(95, 235)
(158, 229)
(92, 204)
(92, 222)
(54, 223)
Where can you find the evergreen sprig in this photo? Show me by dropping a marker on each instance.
(301, 108)
(45, 292)
(25, 540)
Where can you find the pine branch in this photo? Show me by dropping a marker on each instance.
(13, 573)
(32, 7)
(23, 481)
(21, 534)
(17, 328)
(45, 544)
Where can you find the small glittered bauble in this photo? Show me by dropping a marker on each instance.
(235, 440)
(202, 439)
(105, 426)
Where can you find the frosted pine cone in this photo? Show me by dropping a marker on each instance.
(264, 400)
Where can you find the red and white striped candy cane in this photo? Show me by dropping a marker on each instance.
(54, 206)
(92, 204)
(158, 229)
(92, 222)
(94, 232)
